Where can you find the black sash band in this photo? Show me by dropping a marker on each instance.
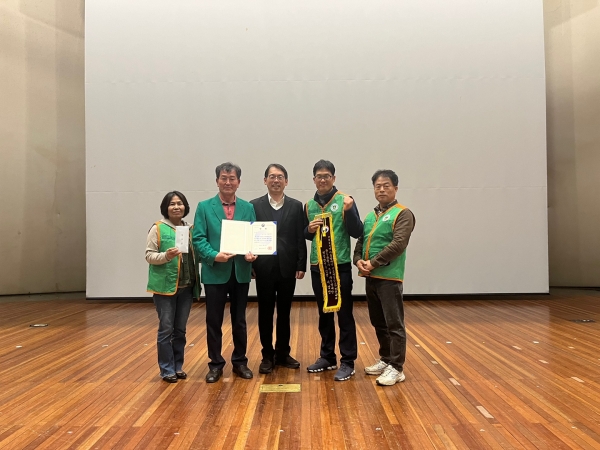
(330, 278)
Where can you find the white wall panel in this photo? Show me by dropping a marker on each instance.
(450, 95)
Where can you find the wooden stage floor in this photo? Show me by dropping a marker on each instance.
(489, 372)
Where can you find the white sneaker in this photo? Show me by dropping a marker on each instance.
(389, 377)
(376, 369)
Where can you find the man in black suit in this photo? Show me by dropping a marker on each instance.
(276, 275)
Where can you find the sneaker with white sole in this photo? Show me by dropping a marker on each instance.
(344, 372)
(376, 369)
(320, 365)
(390, 376)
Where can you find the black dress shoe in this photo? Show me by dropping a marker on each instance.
(288, 362)
(243, 371)
(213, 375)
(266, 366)
(181, 375)
(170, 378)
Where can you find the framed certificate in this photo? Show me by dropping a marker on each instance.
(259, 238)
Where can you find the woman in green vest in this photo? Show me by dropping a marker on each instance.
(173, 279)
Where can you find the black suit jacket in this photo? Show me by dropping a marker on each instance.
(291, 245)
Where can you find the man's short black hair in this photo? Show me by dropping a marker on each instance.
(385, 173)
(228, 167)
(324, 164)
(164, 205)
(277, 166)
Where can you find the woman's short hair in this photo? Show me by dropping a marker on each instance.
(164, 205)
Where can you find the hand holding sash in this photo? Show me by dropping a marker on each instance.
(330, 278)
(314, 225)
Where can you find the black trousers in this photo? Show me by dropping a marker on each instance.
(274, 290)
(386, 311)
(347, 343)
(216, 297)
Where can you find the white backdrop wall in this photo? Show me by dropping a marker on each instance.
(451, 95)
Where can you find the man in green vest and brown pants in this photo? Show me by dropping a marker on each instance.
(380, 255)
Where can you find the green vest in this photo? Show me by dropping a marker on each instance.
(164, 278)
(341, 236)
(378, 233)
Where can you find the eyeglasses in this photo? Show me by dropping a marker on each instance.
(323, 177)
(276, 177)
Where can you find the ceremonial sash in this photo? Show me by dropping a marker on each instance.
(330, 278)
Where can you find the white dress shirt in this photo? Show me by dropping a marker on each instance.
(274, 204)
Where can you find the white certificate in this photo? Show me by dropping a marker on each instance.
(182, 239)
(239, 237)
(264, 238)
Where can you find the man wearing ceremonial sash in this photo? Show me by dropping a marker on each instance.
(380, 255)
(331, 218)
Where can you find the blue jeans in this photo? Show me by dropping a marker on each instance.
(173, 312)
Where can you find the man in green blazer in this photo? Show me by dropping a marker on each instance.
(224, 273)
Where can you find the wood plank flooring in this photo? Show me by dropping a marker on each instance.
(481, 373)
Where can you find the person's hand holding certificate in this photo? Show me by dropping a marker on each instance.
(258, 238)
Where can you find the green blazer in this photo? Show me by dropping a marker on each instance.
(206, 238)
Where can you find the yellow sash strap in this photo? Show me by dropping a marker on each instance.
(330, 278)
